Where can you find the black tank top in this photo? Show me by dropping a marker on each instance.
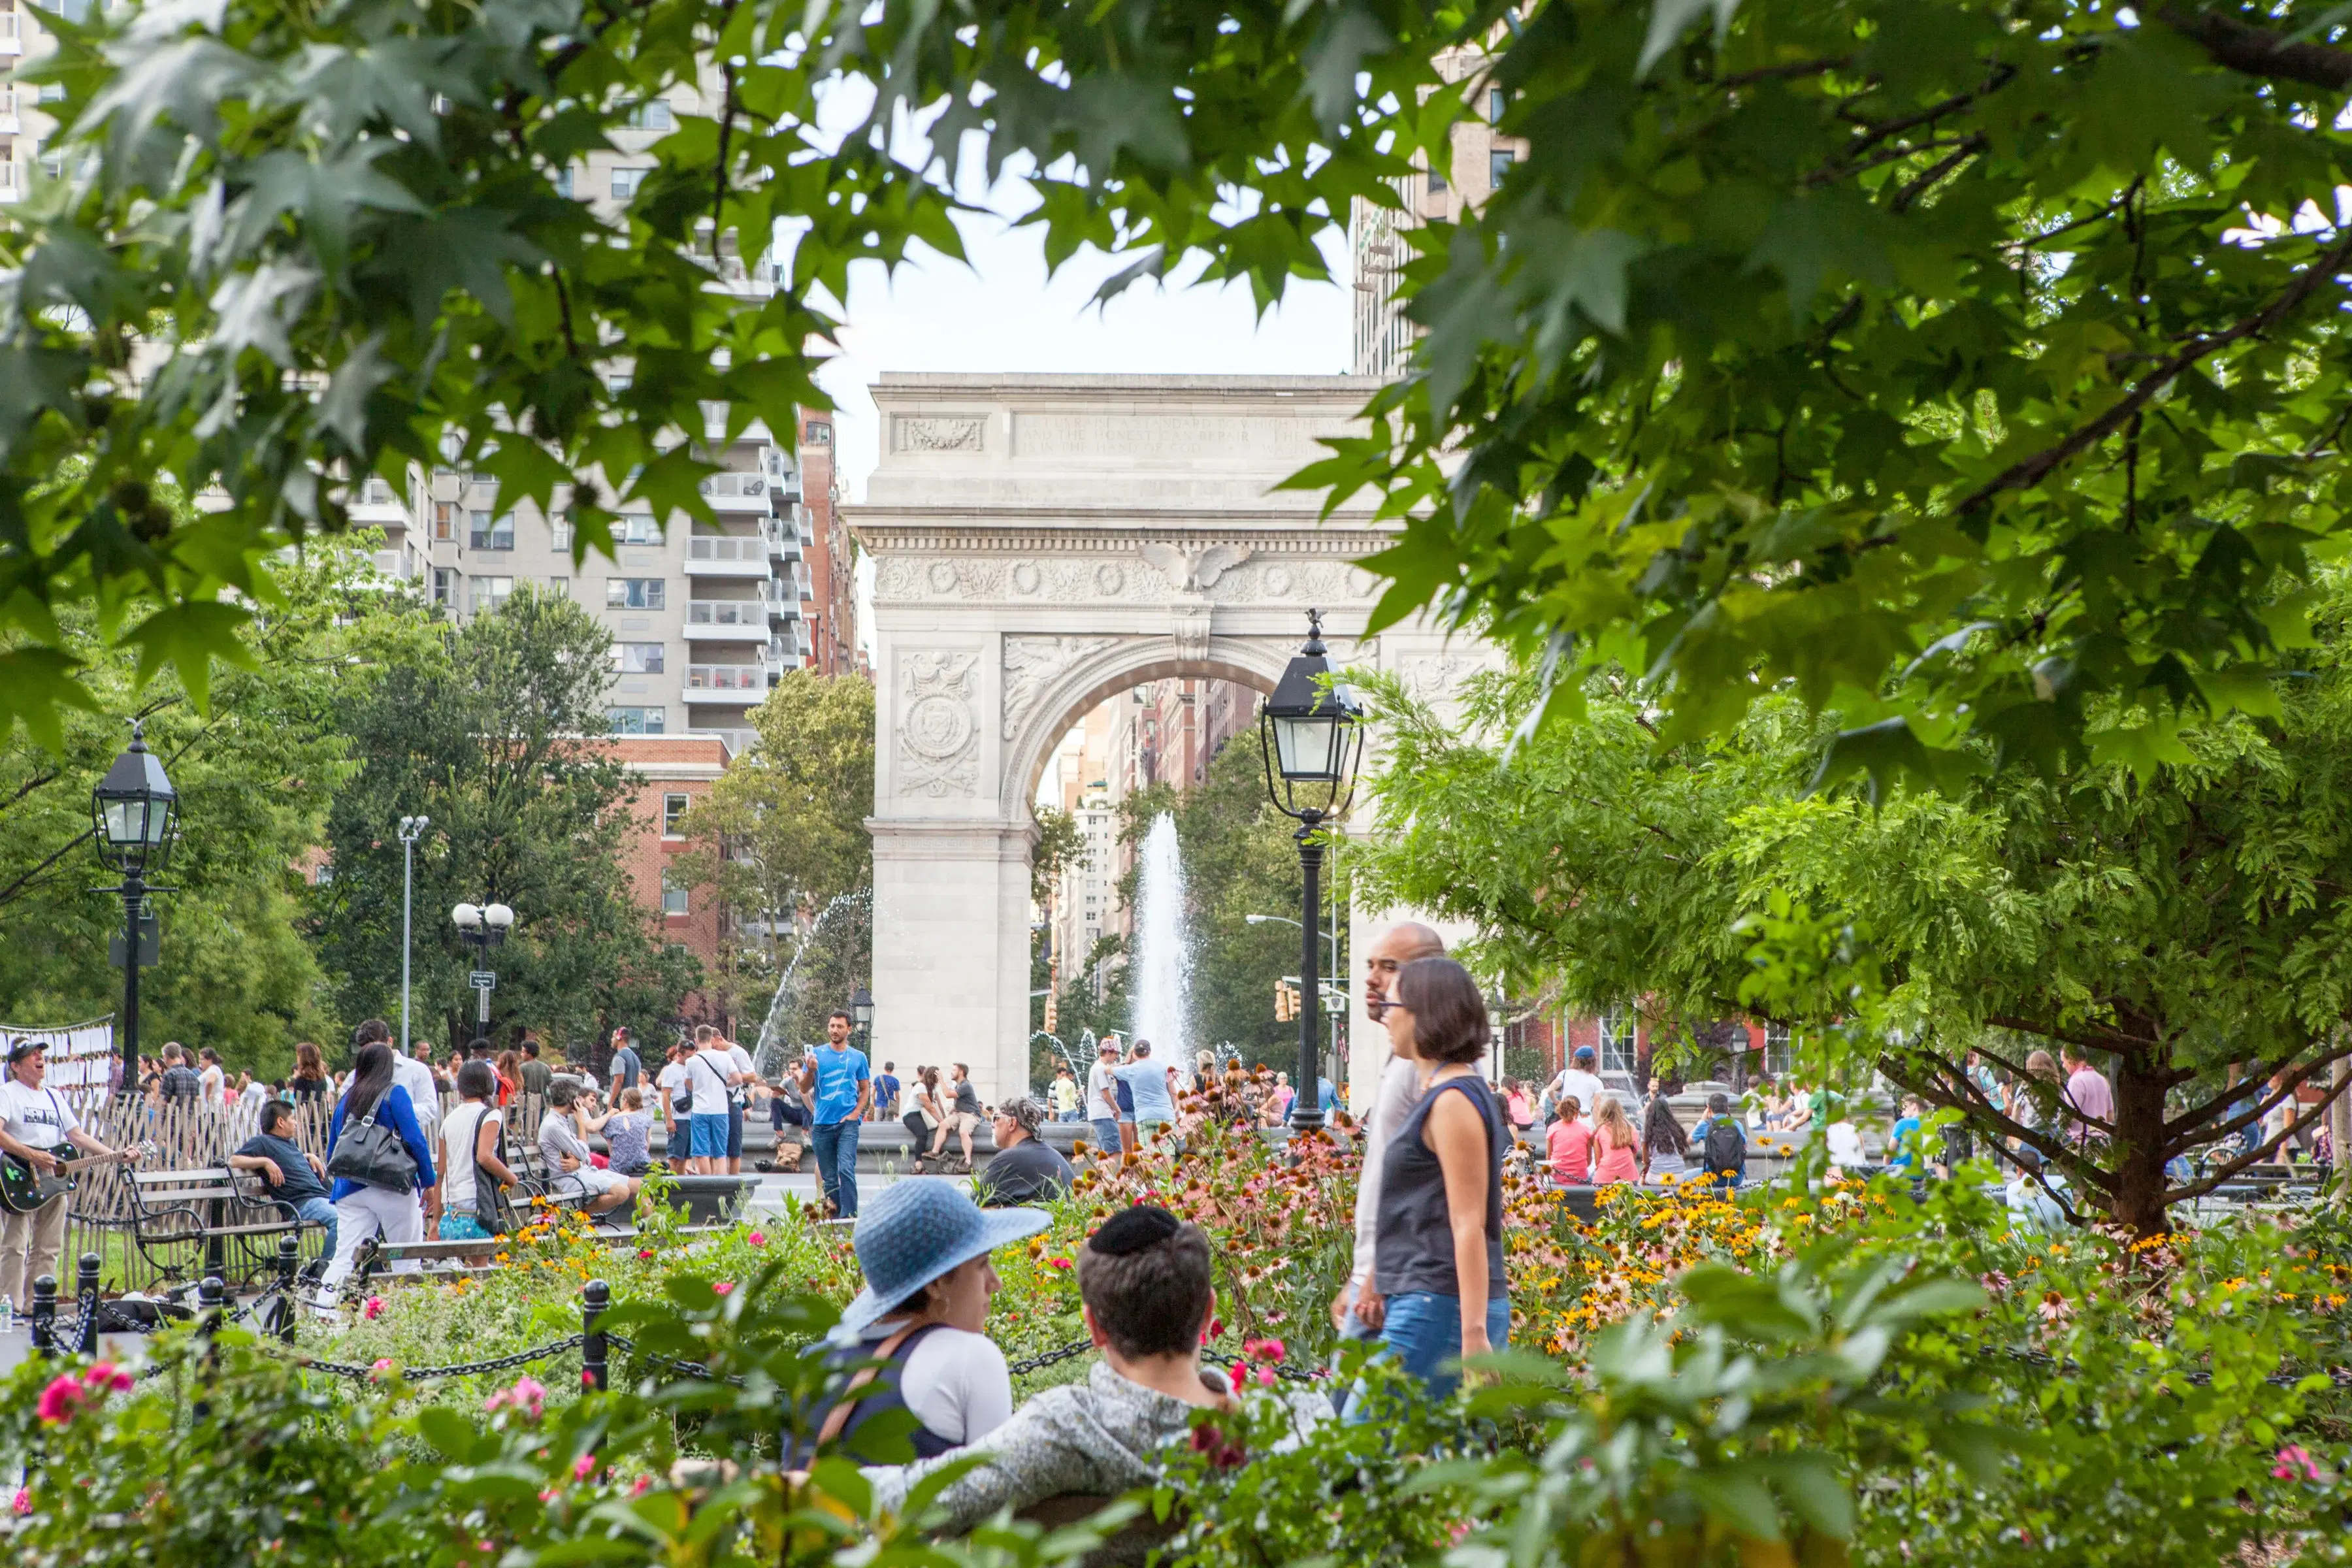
(882, 1393)
(1414, 1247)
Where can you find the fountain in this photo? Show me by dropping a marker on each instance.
(1160, 970)
(768, 1056)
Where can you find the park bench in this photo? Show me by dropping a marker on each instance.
(451, 1259)
(180, 1217)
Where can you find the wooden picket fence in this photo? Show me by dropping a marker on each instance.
(188, 1135)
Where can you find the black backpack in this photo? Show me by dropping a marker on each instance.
(1727, 1146)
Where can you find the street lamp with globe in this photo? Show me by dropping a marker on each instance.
(483, 927)
(134, 819)
(1311, 730)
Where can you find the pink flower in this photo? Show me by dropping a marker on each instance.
(526, 1398)
(547, 1496)
(1265, 1377)
(587, 1378)
(757, 1238)
(104, 1375)
(583, 1467)
(1263, 1350)
(722, 1288)
(1058, 1262)
(379, 1367)
(23, 1502)
(2054, 1309)
(59, 1399)
(372, 1308)
(641, 1486)
(2295, 1464)
(645, 1252)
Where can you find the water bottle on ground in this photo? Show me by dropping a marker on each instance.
(7, 1314)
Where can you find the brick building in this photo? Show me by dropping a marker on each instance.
(671, 772)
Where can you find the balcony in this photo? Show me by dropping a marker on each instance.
(727, 555)
(738, 492)
(11, 35)
(738, 740)
(783, 543)
(727, 620)
(737, 685)
(377, 502)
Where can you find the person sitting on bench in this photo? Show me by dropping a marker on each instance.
(1145, 1285)
(570, 1166)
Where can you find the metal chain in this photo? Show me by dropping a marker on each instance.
(1039, 1362)
(463, 1369)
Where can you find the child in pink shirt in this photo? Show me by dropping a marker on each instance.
(1570, 1143)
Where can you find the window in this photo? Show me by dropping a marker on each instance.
(635, 592)
(638, 657)
(1617, 1041)
(444, 519)
(323, 874)
(636, 721)
(1436, 181)
(637, 528)
(674, 898)
(559, 587)
(491, 534)
(651, 115)
(445, 587)
(1779, 1059)
(820, 433)
(564, 180)
(559, 534)
(673, 814)
(488, 592)
(1496, 101)
(1498, 164)
(626, 183)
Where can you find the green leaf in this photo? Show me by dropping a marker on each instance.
(189, 637)
(1670, 19)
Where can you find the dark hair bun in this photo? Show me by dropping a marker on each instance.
(1145, 1225)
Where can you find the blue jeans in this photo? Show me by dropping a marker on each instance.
(1106, 1134)
(734, 1130)
(322, 1212)
(1423, 1331)
(836, 1164)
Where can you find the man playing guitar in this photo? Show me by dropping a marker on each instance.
(35, 1123)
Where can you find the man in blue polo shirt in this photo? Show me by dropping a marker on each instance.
(839, 1089)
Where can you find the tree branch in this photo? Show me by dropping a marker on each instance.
(2257, 52)
(2033, 469)
(2253, 1156)
(1970, 1101)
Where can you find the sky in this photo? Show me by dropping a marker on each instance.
(1003, 314)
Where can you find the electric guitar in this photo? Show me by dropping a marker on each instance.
(22, 1190)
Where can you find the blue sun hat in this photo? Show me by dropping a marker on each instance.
(913, 1232)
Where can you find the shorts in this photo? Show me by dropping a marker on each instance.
(963, 1122)
(462, 1227)
(734, 1131)
(590, 1181)
(707, 1137)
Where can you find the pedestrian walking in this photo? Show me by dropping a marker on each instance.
(377, 1152)
(840, 1091)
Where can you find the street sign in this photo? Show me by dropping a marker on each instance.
(151, 943)
(482, 980)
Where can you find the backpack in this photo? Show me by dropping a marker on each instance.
(1727, 1146)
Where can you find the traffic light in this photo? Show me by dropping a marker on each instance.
(1286, 1002)
(1053, 1012)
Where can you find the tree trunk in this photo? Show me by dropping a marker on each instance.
(2139, 1146)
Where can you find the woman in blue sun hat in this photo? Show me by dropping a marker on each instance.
(917, 1326)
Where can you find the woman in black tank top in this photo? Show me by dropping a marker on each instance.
(1438, 1250)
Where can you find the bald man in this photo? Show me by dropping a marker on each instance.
(1358, 1310)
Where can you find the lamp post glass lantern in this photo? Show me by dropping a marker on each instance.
(134, 816)
(861, 1014)
(483, 927)
(1311, 730)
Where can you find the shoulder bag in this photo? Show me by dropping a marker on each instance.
(374, 1154)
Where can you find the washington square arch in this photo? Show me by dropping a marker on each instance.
(1040, 543)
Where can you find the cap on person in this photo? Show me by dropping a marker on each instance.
(1107, 1048)
(19, 1049)
(913, 1232)
(1584, 1053)
(1023, 1113)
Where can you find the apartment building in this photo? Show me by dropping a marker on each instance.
(1381, 339)
(704, 615)
(24, 128)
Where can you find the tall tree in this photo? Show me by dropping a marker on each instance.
(496, 736)
(781, 835)
(2173, 928)
(254, 774)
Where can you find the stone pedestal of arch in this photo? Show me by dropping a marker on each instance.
(1040, 544)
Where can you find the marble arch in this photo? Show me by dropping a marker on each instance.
(1040, 542)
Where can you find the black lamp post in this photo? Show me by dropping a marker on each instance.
(1311, 730)
(861, 1012)
(483, 927)
(133, 814)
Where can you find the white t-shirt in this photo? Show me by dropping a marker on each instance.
(214, 1082)
(1398, 1092)
(739, 1060)
(459, 1135)
(255, 1092)
(38, 1117)
(672, 1077)
(1102, 1093)
(424, 1094)
(707, 1081)
(1585, 1086)
(956, 1383)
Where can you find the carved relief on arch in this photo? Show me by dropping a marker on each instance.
(1033, 663)
(939, 722)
